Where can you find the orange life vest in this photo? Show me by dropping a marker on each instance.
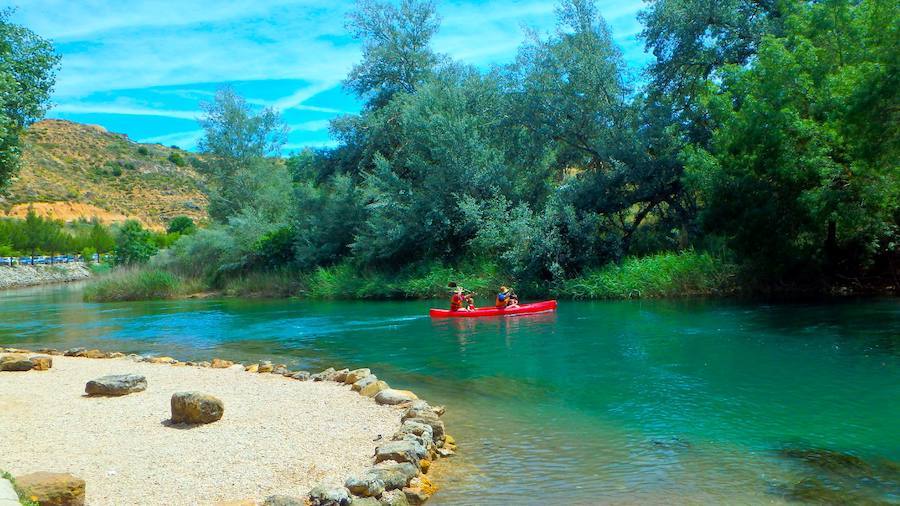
(456, 302)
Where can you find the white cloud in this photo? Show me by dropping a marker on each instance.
(184, 140)
(310, 126)
(114, 108)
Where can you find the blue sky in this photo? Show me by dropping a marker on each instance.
(141, 67)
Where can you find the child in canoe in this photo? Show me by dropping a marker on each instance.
(461, 300)
(506, 299)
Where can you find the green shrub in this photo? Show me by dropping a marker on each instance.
(183, 225)
(143, 151)
(275, 283)
(23, 500)
(176, 158)
(663, 275)
(138, 284)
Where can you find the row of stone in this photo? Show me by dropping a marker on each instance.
(398, 474)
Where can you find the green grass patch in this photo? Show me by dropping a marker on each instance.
(664, 275)
(138, 284)
(275, 283)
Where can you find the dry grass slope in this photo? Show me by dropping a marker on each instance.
(103, 174)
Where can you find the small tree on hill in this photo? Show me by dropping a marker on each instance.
(183, 225)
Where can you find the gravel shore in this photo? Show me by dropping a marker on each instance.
(27, 275)
(277, 436)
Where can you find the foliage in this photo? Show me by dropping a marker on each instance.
(137, 283)
(176, 158)
(794, 175)
(396, 57)
(134, 244)
(664, 275)
(183, 225)
(36, 235)
(23, 499)
(28, 66)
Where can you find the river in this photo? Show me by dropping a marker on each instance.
(633, 402)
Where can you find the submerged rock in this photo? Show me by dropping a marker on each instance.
(420, 489)
(196, 407)
(829, 460)
(116, 385)
(52, 489)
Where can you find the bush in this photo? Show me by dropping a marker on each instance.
(183, 225)
(143, 151)
(138, 284)
(134, 245)
(87, 254)
(176, 158)
(664, 275)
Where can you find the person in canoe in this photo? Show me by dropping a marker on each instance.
(506, 299)
(460, 300)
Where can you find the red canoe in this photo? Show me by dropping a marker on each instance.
(535, 307)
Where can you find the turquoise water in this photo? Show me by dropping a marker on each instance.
(685, 402)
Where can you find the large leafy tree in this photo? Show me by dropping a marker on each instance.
(796, 175)
(28, 67)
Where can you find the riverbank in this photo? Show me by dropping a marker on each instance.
(27, 275)
(664, 275)
(277, 436)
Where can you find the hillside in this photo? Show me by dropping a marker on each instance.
(70, 171)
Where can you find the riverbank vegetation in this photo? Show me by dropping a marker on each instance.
(759, 149)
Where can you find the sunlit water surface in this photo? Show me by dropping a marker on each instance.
(638, 402)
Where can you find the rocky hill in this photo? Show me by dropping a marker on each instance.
(70, 171)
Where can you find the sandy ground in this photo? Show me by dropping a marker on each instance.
(278, 435)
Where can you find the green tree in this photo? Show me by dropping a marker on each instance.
(794, 174)
(396, 54)
(100, 238)
(183, 225)
(134, 244)
(28, 67)
(238, 141)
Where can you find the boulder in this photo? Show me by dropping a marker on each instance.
(429, 418)
(400, 451)
(283, 500)
(160, 360)
(94, 354)
(8, 496)
(53, 489)
(394, 498)
(282, 370)
(252, 368)
(364, 501)
(49, 351)
(115, 354)
(265, 367)
(372, 389)
(339, 376)
(394, 475)
(393, 397)
(116, 385)
(16, 364)
(196, 407)
(301, 375)
(365, 485)
(41, 362)
(218, 363)
(363, 382)
(324, 375)
(420, 489)
(329, 495)
(75, 352)
(356, 375)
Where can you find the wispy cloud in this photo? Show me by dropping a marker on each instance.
(184, 140)
(159, 58)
